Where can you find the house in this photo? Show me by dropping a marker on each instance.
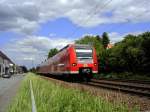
(6, 65)
(109, 46)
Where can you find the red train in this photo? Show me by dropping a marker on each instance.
(72, 61)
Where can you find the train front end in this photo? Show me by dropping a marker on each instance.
(84, 61)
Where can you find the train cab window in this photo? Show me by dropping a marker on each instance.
(84, 52)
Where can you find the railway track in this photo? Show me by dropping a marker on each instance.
(140, 88)
(129, 87)
(128, 80)
(129, 99)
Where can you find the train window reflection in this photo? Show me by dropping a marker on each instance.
(84, 54)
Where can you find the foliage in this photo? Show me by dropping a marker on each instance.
(124, 76)
(52, 52)
(33, 69)
(24, 69)
(131, 54)
(105, 40)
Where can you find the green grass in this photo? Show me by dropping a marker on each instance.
(50, 97)
(22, 103)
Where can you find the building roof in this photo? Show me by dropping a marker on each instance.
(5, 57)
(109, 46)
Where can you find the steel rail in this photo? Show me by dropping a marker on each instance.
(122, 86)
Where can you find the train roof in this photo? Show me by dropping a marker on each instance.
(77, 46)
(83, 46)
(69, 45)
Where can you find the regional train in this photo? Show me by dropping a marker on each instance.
(79, 61)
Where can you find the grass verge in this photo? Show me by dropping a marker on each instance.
(22, 102)
(50, 97)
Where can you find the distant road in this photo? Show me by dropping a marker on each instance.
(8, 89)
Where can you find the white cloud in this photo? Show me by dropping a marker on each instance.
(33, 48)
(25, 16)
(116, 37)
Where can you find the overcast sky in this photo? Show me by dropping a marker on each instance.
(29, 28)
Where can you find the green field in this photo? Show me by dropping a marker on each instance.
(50, 97)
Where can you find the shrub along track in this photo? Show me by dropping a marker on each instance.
(115, 97)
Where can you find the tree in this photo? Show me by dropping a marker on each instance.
(33, 69)
(99, 39)
(145, 46)
(52, 52)
(131, 54)
(24, 69)
(105, 40)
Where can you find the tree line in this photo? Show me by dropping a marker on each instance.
(129, 55)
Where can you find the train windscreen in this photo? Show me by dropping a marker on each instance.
(84, 54)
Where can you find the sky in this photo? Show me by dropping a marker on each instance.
(29, 28)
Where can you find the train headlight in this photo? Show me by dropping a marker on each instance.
(74, 64)
(95, 64)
